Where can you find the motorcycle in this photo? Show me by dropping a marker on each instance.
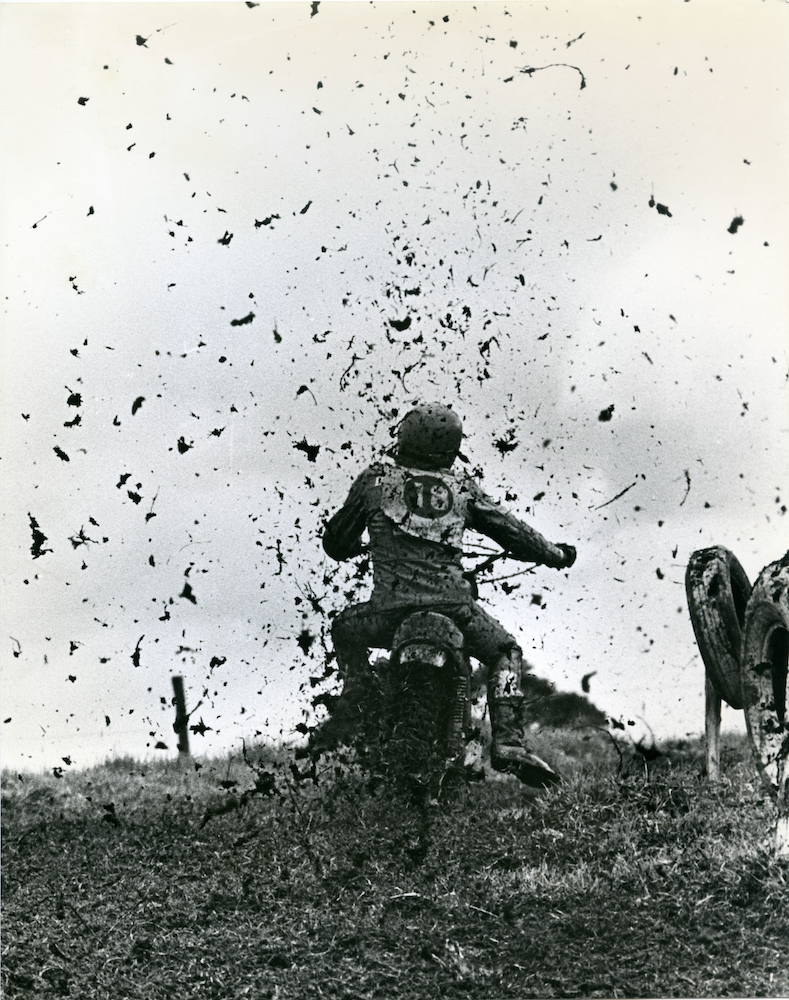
(410, 719)
(426, 717)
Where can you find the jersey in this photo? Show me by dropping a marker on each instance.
(416, 521)
(428, 505)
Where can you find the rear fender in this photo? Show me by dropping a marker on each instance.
(425, 653)
(432, 638)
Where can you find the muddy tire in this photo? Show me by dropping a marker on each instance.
(415, 747)
(718, 589)
(764, 672)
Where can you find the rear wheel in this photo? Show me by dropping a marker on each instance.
(414, 741)
(425, 741)
(718, 589)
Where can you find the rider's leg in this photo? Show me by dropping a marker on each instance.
(505, 673)
(490, 643)
(359, 628)
(509, 749)
(351, 644)
(354, 631)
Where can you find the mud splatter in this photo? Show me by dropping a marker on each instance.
(687, 487)
(310, 450)
(305, 388)
(736, 222)
(80, 538)
(620, 494)
(243, 321)
(507, 442)
(305, 641)
(529, 70)
(135, 657)
(661, 209)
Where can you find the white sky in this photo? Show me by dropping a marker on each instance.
(389, 154)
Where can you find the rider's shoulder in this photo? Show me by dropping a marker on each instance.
(373, 474)
(376, 469)
(468, 484)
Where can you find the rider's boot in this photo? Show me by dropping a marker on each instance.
(509, 750)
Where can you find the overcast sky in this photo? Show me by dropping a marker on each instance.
(239, 240)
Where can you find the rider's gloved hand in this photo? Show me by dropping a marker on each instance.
(569, 554)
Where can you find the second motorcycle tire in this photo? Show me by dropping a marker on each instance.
(718, 589)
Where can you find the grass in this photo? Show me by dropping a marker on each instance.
(629, 880)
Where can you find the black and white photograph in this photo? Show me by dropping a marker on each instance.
(395, 438)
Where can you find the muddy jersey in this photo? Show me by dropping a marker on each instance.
(428, 505)
(415, 520)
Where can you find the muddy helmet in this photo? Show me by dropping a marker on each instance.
(429, 437)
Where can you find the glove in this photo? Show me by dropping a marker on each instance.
(569, 554)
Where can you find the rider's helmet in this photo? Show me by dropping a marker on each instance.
(429, 437)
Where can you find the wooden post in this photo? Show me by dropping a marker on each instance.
(181, 718)
(712, 728)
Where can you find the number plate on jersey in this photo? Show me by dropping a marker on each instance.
(429, 506)
(428, 497)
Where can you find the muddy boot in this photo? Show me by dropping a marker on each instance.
(508, 751)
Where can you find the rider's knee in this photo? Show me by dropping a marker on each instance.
(512, 656)
(505, 675)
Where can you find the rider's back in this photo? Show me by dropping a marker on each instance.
(416, 519)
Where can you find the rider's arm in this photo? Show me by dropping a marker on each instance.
(342, 538)
(517, 537)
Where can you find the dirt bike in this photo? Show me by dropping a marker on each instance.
(426, 706)
(411, 720)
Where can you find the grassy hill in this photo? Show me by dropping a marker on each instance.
(234, 879)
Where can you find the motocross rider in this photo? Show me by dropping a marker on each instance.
(415, 512)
